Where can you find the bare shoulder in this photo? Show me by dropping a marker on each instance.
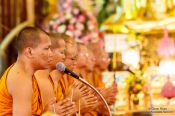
(19, 86)
(18, 82)
(41, 74)
(42, 78)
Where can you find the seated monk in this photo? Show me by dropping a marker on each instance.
(48, 81)
(101, 65)
(71, 87)
(86, 63)
(86, 67)
(19, 92)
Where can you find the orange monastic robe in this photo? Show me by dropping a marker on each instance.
(89, 78)
(97, 78)
(6, 100)
(58, 92)
(66, 81)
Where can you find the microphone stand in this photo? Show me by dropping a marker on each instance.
(101, 96)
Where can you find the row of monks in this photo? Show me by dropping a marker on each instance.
(33, 86)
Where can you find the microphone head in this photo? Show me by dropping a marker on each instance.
(60, 66)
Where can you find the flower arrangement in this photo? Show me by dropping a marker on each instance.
(75, 22)
(135, 83)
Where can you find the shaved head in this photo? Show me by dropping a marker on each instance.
(55, 40)
(28, 37)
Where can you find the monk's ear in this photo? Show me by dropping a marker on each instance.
(28, 52)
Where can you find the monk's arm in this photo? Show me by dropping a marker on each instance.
(22, 97)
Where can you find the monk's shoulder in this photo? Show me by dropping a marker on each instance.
(18, 81)
(41, 76)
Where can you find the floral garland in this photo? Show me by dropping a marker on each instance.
(75, 22)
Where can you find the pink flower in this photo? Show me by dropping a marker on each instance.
(77, 33)
(81, 18)
(68, 10)
(62, 19)
(75, 11)
(90, 25)
(55, 27)
(90, 36)
(94, 35)
(90, 16)
(66, 5)
(72, 20)
(79, 26)
(61, 14)
(70, 27)
(85, 39)
(69, 1)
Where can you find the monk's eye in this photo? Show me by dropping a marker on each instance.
(46, 48)
(62, 52)
(73, 59)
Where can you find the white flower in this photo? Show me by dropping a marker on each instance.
(57, 21)
(68, 16)
(94, 35)
(61, 28)
(79, 26)
(55, 16)
(75, 11)
(77, 33)
(51, 23)
(69, 33)
(91, 26)
(72, 20)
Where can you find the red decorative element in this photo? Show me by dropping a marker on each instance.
(168, 89)
(100, 34)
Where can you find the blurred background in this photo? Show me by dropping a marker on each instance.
(138, 35)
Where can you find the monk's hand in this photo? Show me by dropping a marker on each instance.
(88, 102)
(110, 94)
(49, 106)
(65, 107)
(77, 90)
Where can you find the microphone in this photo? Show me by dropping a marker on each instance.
(61, 67)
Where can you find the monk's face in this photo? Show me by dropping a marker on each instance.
(104, 59)
(82, 56)
(42, 53)
(58, 54)
(90, 61)
(71, 56)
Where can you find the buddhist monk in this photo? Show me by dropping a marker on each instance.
(82, 68)
(79, 92)
(49, 84)
(86, 68)
(19, 92)
(101, 64)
